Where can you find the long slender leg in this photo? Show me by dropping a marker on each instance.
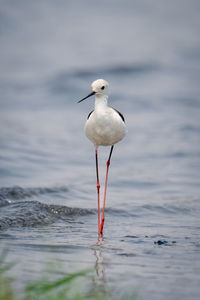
(104, 199)
(98, 189)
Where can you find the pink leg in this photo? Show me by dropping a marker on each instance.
(104, 200)
(98, 189)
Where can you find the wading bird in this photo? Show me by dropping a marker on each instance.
(105, 126)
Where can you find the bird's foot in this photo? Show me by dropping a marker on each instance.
(100, 233)
(101, 227)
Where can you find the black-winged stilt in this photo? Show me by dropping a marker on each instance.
(105, 126)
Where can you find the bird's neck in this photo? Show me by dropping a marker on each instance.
(101, 102)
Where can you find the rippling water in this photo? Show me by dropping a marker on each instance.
(149, 53)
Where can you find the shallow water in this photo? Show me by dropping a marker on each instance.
(49, 56)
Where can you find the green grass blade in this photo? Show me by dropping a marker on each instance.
(41, 287)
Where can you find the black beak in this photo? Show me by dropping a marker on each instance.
(91, 94)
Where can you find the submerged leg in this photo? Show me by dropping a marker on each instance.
(98, 189)
(104, 199)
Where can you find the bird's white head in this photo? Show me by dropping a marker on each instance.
(99, 89)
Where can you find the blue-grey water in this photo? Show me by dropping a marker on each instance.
(149, 52)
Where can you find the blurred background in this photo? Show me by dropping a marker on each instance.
(149, 52)
(52, 51)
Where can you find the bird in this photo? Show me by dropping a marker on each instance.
(105, 126)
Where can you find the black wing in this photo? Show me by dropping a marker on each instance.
(120, 114)
(90, 114)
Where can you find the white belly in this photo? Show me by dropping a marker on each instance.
(106, 128)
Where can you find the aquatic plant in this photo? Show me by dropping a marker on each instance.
(79, 285)
(69, 287)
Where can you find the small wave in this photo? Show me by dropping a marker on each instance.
(19, 193)
(138, 211)
(120, 212)
(169, 209)
(34, 213)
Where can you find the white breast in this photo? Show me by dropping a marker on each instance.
(105, 127)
